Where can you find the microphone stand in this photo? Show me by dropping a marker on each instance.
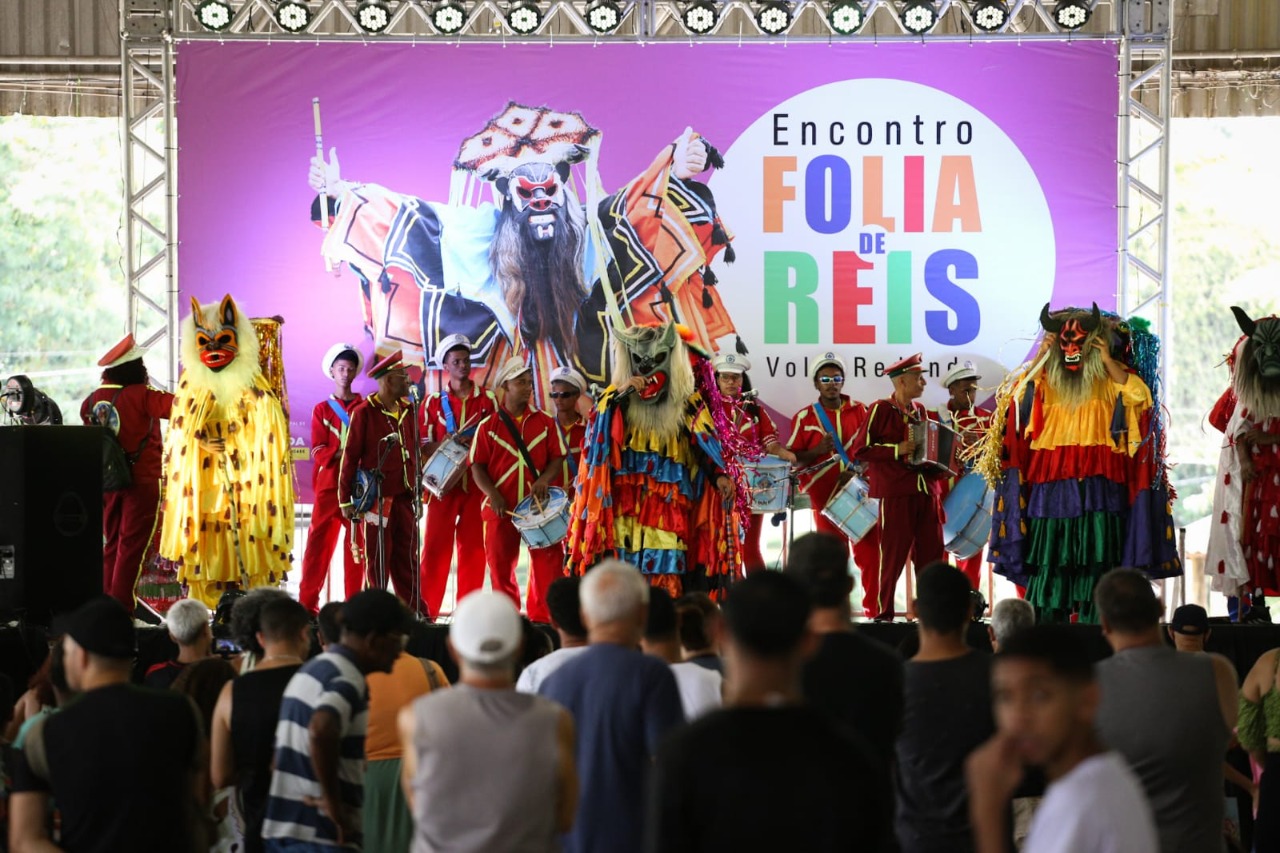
(416, 491)
(383, 520)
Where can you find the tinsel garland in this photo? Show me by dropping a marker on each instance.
(271, 357)
(987, 453)
(1145, 350)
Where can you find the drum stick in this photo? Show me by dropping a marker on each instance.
(324, 190)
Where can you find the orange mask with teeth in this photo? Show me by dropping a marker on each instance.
(217, 347)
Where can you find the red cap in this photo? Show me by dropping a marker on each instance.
(386, 364)
(910, 364)
(126, 350)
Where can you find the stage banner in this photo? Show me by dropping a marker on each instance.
(875, 201)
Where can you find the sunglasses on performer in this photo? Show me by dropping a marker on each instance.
(830, 380)
(561, 395)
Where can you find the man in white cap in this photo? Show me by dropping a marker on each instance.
(517, 453)
(971, 422)
(753, 422)
(454, 523)
(567, 387)
(822, 438)
(512, 753)
(329, 423)
(132, 409)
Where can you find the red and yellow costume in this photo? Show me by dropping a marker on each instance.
(822, 479)
(496, 449)
(455, 517)
(328, 432)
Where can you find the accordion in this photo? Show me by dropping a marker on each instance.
(937, 447)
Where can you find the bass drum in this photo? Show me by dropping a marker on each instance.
(968, 509)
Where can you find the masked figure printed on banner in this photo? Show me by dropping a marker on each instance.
(542, 272)
(660, 484)
(228, 502)
(1244, 540)
(1075, 452)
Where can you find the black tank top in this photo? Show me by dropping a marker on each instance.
(255, 709)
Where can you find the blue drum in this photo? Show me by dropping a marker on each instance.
(968, 509)
(545, 525)
(853, 510)
(769, 479)
(445, 468)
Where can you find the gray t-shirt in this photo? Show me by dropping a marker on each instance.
(487, 778)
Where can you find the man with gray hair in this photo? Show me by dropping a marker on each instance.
(188, 624)
(623, 702)
(511, 752)
(1008, 618)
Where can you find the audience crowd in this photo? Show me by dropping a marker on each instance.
(766, 722)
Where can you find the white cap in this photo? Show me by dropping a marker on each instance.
(568, 374)
(451, 342)
(731, 362)
(827, 358)
(511, 368)
(485, 628)
(968, 370)
(332, 355)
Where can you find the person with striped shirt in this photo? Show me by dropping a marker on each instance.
(317, 785)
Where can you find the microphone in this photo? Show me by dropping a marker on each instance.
(12, 392)
(624, 393)
(414, 394)
(392, 438)
(750, 395)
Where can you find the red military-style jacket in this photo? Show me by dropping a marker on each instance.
(495, 449)
(888, 476)
(465, 410)
(140, 409)
(370, 424)
(807, 432)
(328, 431)
(572, 438)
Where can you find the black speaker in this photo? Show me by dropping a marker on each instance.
(50, 519)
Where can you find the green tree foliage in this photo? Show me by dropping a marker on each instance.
(62, 292)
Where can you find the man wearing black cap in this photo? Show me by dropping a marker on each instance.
(1189, 628)
(114, 733)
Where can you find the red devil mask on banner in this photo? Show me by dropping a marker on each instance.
(218, 347)
(1071, 334)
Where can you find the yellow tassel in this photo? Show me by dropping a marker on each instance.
(1022, 525)
(1002, 533)
(1022, 502)
(1000, 504)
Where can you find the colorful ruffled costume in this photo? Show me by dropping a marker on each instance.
(228, 516)
(1080, 483)
(648, 496)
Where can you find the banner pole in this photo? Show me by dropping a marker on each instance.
(324, 191)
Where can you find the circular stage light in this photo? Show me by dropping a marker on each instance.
(524, 18)
(449, 18)
(604, 16)
(700, 18)
(373, 16)
(919, 16)
(774, 17)
(292, 16)
(1072, 14)
(214, 14)
(847, 17)
(990, 15)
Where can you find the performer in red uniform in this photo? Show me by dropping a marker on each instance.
(753, 422)
(126, 404)
(970, 422)
(454, 524)
(329, 423)
(910, 509)
(380, 440)
(814, 444)
(567, 387)
(499, 469)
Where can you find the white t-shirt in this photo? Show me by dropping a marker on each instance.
(699, 689)
(1098, 807)
(538, 671)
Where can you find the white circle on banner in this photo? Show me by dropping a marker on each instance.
(965, 282)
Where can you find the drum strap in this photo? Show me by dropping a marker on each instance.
(831, 430)
(342, 416)
(573, 460)
(450, 421)
(519, 440)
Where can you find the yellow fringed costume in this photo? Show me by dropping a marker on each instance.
(228, 513)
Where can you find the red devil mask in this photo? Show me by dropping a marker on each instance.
(218, 347)
(1071, 334)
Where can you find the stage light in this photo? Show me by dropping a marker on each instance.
(1072, 14)
(604, 16)
(774, 17)
(214, 14)
(26, 404)
(293, 16)
(990, 15)
(700, 17)
(524, 18)
(373, 16)
(449, 18)
(847, 17)
(919, 16)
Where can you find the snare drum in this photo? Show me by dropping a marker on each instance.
(769, 480)
(968, 511)
(853, 510)
(546, 527)
(445, 467)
